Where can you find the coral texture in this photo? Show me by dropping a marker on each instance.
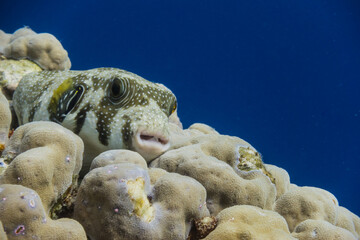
(302, 203)
(321, 230)
(207, 195)
(4, 40)
(281, 179)
(118, 156)
(250, 223)
(45, 157)
(348, 221)
(43, 48)
(213, 159)
(118, 201)
(24, 217)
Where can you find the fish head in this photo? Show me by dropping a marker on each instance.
(114, 109)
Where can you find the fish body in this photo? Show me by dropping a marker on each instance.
(108, 108)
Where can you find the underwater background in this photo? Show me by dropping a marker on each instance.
(283, 75)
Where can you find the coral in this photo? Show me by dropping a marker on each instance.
(12, 71)
(281, 179)
(155, 174)
(348, 221)
(223, 185)
(206, 129)
(234, 151)
(5, 121)
(183, 137)
(46, 157)
(215, 161)
(43, 49)
(4, 40)
(302, 203)
(250, 161)
(118, 156)
(23, 216)
(202, 227)
(118, 201)
(250, 223)
(321, 230)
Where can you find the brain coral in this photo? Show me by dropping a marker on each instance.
(43, 156)
(303, 203)
(118, 156)
(4, 40)
(234, 151)
(118, 201)
(24, 217)
(348, 221)
(321, 230)
(43, 48)
(209, 158)
(250, 223)
(224, 186)
(282, 179)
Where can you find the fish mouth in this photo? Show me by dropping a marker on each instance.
(150, 144)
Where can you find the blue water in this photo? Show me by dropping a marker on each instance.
(283, 75)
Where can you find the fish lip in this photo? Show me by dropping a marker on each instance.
(150, 144)
(145, 137)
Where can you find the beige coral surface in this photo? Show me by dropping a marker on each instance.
(249, 222)
(348, 221)
(43, 49)
(43, 156)
(303, 203)
(130, 206)
(321, 230)
(23, 216)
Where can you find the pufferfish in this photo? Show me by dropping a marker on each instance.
(108, 108)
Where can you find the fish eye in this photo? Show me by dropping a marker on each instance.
(116, 90)
(173, 108)
(74, 97)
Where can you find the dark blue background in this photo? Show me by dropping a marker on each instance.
(283, 75)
